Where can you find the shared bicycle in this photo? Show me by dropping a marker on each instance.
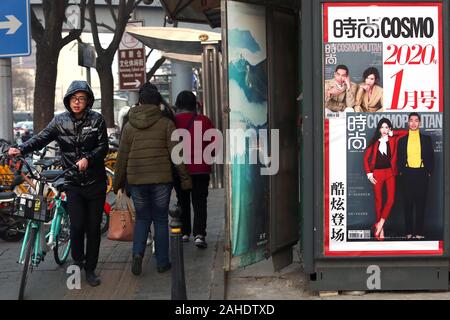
(39, 211)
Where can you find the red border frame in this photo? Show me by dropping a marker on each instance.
(438, 252)
(326, 5)
(327, 185)
(327, 252)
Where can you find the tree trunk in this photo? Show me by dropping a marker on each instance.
(48, 45)
(105, 56)
(45, 83)
(104, 70)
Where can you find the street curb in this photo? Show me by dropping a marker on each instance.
(217, 289)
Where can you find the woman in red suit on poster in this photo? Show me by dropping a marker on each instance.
(380, 164)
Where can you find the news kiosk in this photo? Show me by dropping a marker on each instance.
(375, 200)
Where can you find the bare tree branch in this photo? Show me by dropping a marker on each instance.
(47, 10)
(136, 4)
(148, 56)
(37, 30)
(73, 35)
(105, 57)
(101, 24)
(125, 9)
(54, 17)
(111, 10)
(94, 28)
(155, 68)
(131, 4)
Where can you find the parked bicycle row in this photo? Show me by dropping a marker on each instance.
(14, 177)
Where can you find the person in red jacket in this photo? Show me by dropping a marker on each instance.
(188, 118)
(380, 164)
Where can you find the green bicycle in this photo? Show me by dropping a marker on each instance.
(38, 210)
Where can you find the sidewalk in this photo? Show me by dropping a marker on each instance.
(260, 282)
(203, 271)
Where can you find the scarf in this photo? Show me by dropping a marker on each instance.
(383, 145)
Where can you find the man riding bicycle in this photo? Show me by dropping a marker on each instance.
(82, 137)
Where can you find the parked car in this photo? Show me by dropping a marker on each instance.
(119, 103)
(23, 129)
(19, 116)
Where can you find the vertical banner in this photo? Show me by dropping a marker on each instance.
(247, 65)
(383, 127)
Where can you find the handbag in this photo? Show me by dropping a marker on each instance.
(121, 222)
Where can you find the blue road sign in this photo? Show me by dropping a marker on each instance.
(14, 28)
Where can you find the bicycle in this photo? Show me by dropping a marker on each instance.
(55, 163)
(35, 208)
(12, 229)
(7, 174)
(111, 157)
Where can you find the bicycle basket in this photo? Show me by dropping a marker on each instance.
(33, 207)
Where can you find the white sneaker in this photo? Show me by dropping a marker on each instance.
(200, 242)
(185, 238)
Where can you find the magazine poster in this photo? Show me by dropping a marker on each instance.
(383, 129)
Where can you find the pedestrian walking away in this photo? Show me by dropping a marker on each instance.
(144, 163)
(187, 118)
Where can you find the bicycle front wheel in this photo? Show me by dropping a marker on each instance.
(62, 240)
(27, 265)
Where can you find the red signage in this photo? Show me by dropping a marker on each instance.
(132, 71)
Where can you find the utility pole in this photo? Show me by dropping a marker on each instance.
(6, 108)
(178, 276)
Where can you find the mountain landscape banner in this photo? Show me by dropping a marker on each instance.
(247, 81)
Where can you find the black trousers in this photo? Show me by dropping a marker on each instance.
(85, 207)
(199, 193)
(415, 189)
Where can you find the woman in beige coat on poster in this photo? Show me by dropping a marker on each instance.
(369, 97)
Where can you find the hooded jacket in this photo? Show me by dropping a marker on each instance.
(77, 139)
(144, 155)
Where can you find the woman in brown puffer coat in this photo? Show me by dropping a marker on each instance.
(144, 163)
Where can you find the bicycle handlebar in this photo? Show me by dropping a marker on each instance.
(74, 167)
(52, 148)
(27, 165)
(42, 153)
(43, 179)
